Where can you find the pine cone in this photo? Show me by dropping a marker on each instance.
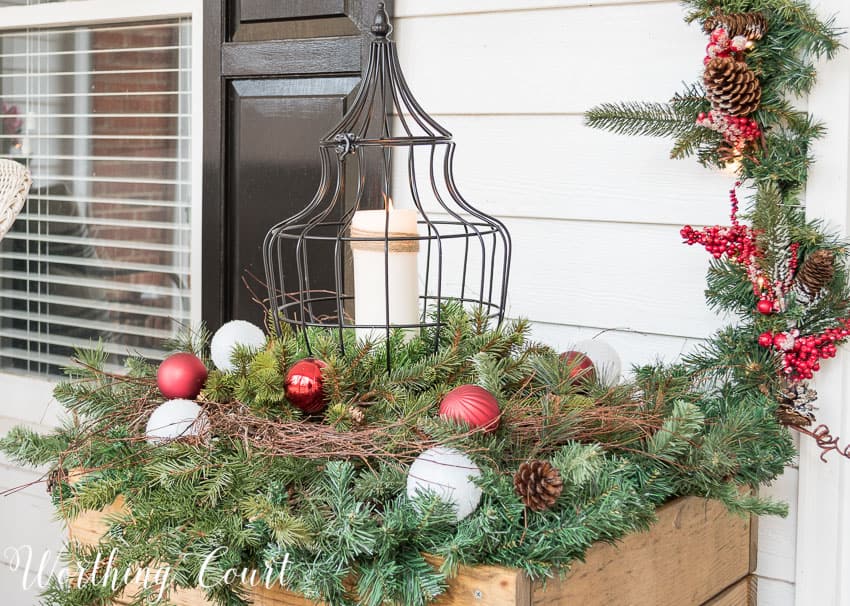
(753, 26)
(56, 478)
(538, 484)
(731, 86)
(795, 407)
(789, 416)
(356, 415)
(816, 271)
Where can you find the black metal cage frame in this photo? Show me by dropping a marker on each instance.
(360, 147)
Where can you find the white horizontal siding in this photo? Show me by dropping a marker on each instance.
(12, 589)
(25, 401)
(30, 524)
(418, 8)
(775, 592)
(594, 216)
(527, 165)
(778, 545)
(557, 61)
(608, 275)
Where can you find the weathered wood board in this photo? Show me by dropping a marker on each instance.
(697, 554)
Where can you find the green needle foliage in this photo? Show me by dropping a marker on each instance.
(344, 526)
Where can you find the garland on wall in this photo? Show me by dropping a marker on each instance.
(263, 455)
(783, 276)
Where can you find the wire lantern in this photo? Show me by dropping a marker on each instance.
(388, 220)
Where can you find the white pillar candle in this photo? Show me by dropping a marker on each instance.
(371, 260)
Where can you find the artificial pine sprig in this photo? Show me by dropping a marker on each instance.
(351, 534)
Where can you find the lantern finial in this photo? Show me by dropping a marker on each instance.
(381, 25)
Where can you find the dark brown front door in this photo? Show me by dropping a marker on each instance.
(277, 76)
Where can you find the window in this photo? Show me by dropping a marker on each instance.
(101, 114)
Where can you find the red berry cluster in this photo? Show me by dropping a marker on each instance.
(736, 241)
(738, 131)
(802, 360)
(721, 45)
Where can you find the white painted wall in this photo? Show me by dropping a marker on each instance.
(823, 532)
(594, 216)
(26, 517)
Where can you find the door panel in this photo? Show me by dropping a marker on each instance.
(267, 10)
(277, 76)
(320, 55)
(274, 169)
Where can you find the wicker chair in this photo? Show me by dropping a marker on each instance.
(15, 184)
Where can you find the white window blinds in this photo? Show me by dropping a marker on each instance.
(100, 114)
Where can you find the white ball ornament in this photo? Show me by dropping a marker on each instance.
(231, 335)
(605, 360)
(176, 419)
(448, 473)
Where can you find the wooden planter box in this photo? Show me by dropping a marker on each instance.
(697, 554)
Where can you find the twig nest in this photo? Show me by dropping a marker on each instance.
(176, 419)
(237, 333)
(472, 405)
(449, 474)
(605, 359)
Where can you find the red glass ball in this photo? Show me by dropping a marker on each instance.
(765, 307)
(472, 405)
(580, 367)
(181, 376)
(304, 386)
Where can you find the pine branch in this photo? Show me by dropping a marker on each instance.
(635, 118)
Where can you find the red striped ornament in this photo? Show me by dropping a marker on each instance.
(472, 405)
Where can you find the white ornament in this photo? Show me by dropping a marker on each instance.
(740, 43)
(448, 473)
(229, 336)
(605, 360)
(176, 419)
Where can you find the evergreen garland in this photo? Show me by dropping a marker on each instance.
(344, 524)
(787, 319)
(340, 518)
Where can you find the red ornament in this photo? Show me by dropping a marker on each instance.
(765, 307)
(784, 341)
(181, 376)
(472, 405)
(304, 386)
(580, 367)
(765, 339)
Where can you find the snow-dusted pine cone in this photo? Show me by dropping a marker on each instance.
(731, 86)
(816, 271)
(795, 408)
(538, 484)
(753, 26)
(356, 415)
